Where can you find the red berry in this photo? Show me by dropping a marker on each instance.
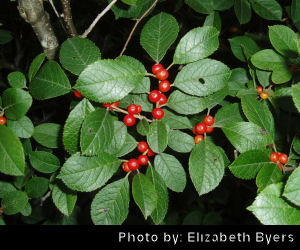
(194, 130)
(139, 109)
(274, 157)
(2, 120)
(164, 86)
(162, 74)
(143, 159)
(142, 146)
(150, 152)
(156, 68)
(78, 94)
(264, 95)
(259, 89)
(292, 67)
(209, 120)
(154, 96)
(163, 99)
(280, 166)
(158, 113)
(116, 104)
(129, 120)
(201, 128)
(209, 129)
(283, 158)
(126, 167)
(133, 164)
(132, 109)
(198, 138)
(106, 105)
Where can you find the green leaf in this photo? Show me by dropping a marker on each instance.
(129, 2)
(206, 167)
(197, 44)
(201, 6)
(27, 210)
(222, 4)
(295, 11)
(6, 187)
(263, 77)
(12, 159)
(144, 194)
(22, 127)
(269, 60)
(242, 11)
(158, 34)
(71, 134)
(37, 187)
(242, 46)
(271, 209)
(14, 202)
(109, 80)
(48, 135)
(63, 198)
(296, 95)
(118, 140)
(203, 78)
(143, 127)
(77, 53)
(36, 65)
(292, 187)
(157, 137)
(5, 37)
(245, 136)
(175, 121)
(268, 175)
(247, 165)
(17, 80)
(267, 9)
(284, 40)
(213, 20)
(16, 102)
(237, 81)
(111, 204)
(171, 171)
(96, 132)
(258, 113)
(86, 174)
(129, 145)
(51, 81)
(143, 88)
(160, 211)
(180, 141)
(44, 162)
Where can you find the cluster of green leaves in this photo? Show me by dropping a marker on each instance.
(96, 142)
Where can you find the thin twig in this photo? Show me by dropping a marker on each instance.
(47, 195)
(68, 17)
(135, 26)
(141, 117)
(108, 7)
(58, 15)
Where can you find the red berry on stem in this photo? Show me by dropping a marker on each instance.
(139, 109)
(259, 89)
(162, 74)
(116, 104)
(154, 96)
(142, 146)
(194, 130)
(158, 113)
(274, 157)
(209, 120)
(156, 67)
(264, 95)
(201, 128)
(163, 99)
(198, 138)
(164, 86)
(150, 152)
(78, 94)
(280, 166)
(132, 109)
(129, 120)
(209, 129)
(2, 120)
(283, 158)
(133, 164)
(143, 159)
(126, 167)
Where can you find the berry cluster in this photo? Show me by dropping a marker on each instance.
(203, 127)
(134, 164)
(2, 120)
(132, 110)
(263, 94)
(279, 158)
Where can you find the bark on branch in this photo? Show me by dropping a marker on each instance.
(68, 17)
(32, 11)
